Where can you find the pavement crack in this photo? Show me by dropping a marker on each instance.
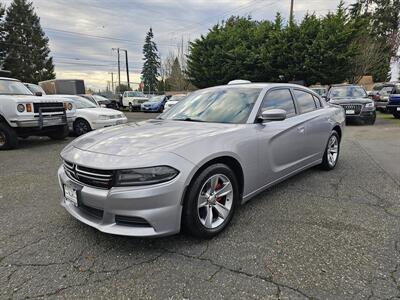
(240, 272)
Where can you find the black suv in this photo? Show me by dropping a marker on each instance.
(354, 100)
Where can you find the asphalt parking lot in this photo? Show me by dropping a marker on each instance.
(318, 235)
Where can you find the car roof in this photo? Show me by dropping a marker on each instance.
(8, 78)
(261, 85)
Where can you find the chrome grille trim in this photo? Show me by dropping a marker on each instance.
(88, 176)
(356, 107)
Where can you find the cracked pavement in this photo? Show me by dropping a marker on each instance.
(318, 235)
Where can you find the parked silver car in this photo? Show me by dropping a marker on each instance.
(192, 166)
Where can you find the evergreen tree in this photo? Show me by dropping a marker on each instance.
(2, 34)
(151, 64)
(25, 44)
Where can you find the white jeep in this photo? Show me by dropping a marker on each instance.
(23, 114)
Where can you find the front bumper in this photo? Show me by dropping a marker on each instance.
(158, 205)
(364, 115)
(393, 108)
(107, 123)
(47, 121)
(151, 108)
(380, 104)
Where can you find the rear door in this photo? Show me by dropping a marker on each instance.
(281, 143)
(315, 123)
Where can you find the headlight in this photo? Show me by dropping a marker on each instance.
(145, 176)
(21, 108)
(371, 104)
(104, 117)
(69, 106)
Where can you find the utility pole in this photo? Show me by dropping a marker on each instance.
(119, 69)
(127, 67)
(291, 12)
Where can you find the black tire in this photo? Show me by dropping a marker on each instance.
(326, 165)
(130, 107)
(81, 126)
(8, 137)
(161, 109)
(59, 133)
(371, 121)
(396, 114)
(190, 213)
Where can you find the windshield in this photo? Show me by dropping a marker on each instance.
(156, 99)
(81, 102)
(134, 94)
(100, 98)
(347, 92)
(35, 88)
(386, 90)
(10, 87)
(219, 105)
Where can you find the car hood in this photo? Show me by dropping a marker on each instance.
(151, 103)
(351, 101)
(32, 98)
(135, 139)
(100, 111)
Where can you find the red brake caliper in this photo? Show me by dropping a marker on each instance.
(218, 187)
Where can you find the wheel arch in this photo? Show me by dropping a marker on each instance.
(228, 160)
(84, 119)
(338, 129)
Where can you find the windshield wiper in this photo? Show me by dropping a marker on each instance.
(188, 119)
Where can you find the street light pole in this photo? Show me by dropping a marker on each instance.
(127, 67)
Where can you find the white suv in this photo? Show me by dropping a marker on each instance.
(22, 114)
(133, 100)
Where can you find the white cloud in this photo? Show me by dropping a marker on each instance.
(79, 56)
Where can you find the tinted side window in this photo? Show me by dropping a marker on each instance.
(281, 99)
(305, 100)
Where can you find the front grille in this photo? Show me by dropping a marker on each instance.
(91, 211)
(89, 176)
(356, 107)
(48, 107)
(142, 101)
(131, 221)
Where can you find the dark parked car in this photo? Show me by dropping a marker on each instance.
(155, 104)
(101, 101)
(355, 101)
(393, 105)
(381, 98)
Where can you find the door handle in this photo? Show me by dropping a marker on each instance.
(301, 129)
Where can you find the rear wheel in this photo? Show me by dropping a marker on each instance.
(8, 137)
(211, 201)
(81, 126)
(331, 155)
(59, 133)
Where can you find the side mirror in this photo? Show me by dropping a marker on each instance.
(38, 94)
(273, 115)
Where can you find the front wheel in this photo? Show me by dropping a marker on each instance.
(81, 126)
(371, 121)
(130, 107)
(59, 133)
(331, 155)
(211, 201)
(396, 114)
(8, 137)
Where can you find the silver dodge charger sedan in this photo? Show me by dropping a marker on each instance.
(192, 167)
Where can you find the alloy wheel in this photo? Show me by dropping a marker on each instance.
(215, 201)
(82, 128)
(333, 149)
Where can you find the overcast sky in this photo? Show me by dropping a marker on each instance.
(83, 32)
